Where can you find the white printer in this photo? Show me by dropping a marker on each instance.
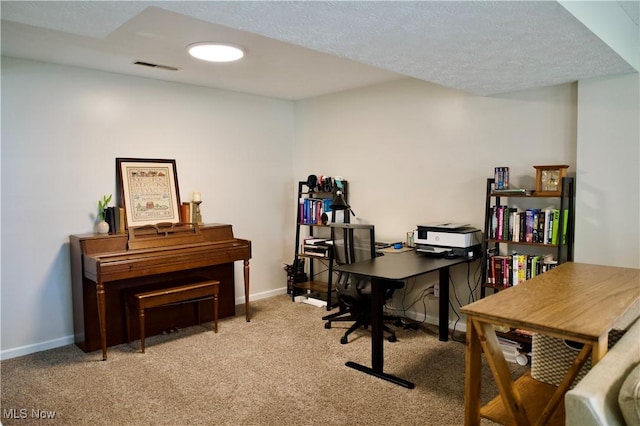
(448, 239)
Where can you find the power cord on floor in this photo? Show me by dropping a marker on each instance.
(455, 324)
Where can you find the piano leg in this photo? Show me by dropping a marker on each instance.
(246, 290)
(102, 310)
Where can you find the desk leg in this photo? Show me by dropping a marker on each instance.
(377, 332)
(377, 340)
(102, 319)
(443, 306)
(472, 376)
(246, 290)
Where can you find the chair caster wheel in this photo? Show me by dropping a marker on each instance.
(344, 340)
(392, 338)
(327, 325)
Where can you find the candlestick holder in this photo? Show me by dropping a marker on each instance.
(197, 217)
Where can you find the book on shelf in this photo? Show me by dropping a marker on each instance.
(535, 227)
(510, 349)
(520, 332)
(536, 266)
(110, 218)
(555, 224)
(502, 223)
(538, 226)
(528, 226)
(513, 269)
(548, 226)
(529, 263)
(509, 346)
(511, 191)
(122, 220)
(312, 209)
(493, 214)
(496, 268)
(312, 241)
(516, 268)
(314, 253)
(313, 246)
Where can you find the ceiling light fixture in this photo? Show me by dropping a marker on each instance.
(215, 52)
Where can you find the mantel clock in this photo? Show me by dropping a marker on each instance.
(549, 179)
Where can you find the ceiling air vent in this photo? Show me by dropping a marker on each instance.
(150, 65)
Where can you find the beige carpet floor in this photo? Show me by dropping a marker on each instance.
(282, 368)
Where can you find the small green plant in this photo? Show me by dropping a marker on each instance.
(103, 204)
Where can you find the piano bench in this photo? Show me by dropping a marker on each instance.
(191, 293)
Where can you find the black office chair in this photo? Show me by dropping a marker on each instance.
(354, 243)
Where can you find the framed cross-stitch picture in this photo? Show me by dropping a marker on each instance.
(148, 190)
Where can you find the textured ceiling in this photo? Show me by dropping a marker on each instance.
(302, 49)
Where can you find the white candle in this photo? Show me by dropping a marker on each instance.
(196, 196)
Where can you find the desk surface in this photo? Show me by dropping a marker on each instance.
(578, 299)
(399, 266)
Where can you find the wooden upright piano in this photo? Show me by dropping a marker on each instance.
(107, 268)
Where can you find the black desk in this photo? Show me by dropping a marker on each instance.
(397, 267)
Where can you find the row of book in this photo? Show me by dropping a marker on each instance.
(512, 269)
(513, 351)
(115, 217)
(318, 247)
(311, 210)
(531, 225)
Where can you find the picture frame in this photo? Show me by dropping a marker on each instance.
(148, 191)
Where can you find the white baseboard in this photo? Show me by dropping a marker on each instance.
(36, 347)
(263, 295)
(63, 341)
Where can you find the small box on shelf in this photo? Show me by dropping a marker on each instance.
(501, 176)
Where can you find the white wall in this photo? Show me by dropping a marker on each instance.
(608, 184)
(63, 127)
(415, 152)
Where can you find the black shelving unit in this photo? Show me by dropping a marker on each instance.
(315, 266)
(563, 249)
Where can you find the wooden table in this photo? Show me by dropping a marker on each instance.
(398, 267)
(575, 301)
